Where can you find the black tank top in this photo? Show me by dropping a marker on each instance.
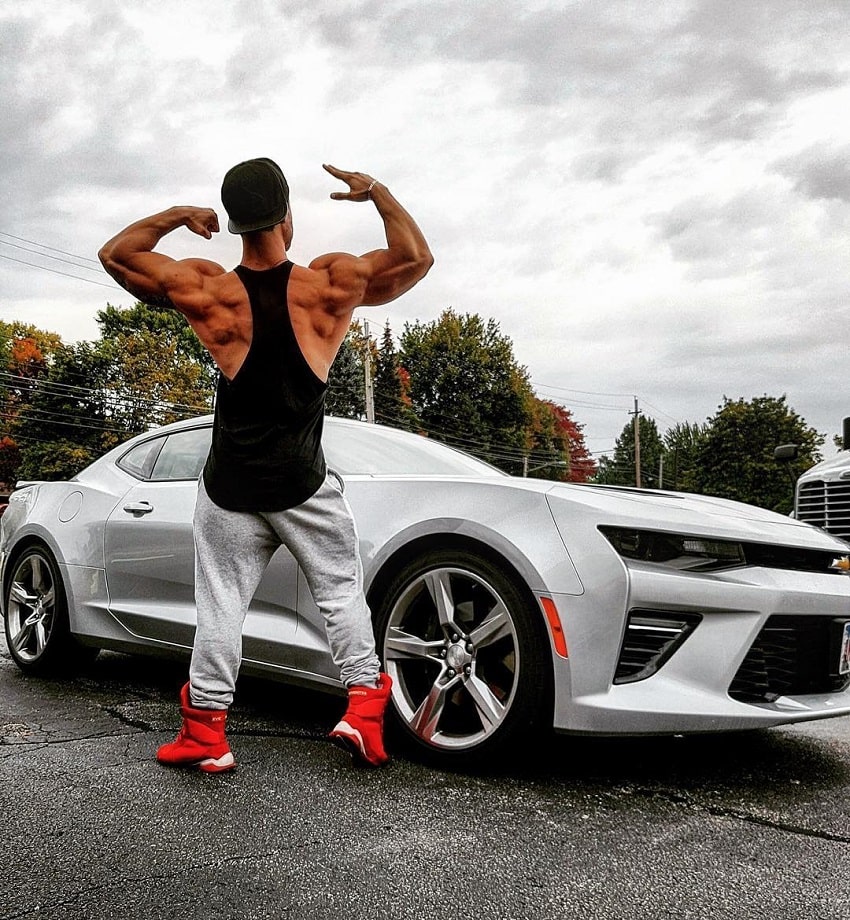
(266, 452)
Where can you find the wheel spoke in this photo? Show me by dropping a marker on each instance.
(427, 717)
(497, 625)
(440, 589)
(21, 639)
(489, 709)
(40, 637)
(18, 594)
(401, 644)
(37, 573)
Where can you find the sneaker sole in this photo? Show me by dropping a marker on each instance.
(207, 765)
(350, 740)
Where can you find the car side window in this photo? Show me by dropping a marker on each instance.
(139, 460)
(183, 455)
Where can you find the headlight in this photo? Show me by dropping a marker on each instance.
(678, 551)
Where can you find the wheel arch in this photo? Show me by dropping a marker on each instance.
(406, 553)
(21, 545)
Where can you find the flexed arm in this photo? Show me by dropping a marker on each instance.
(155, 278)
(382, 275)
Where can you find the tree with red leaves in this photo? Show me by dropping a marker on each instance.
(582, 464)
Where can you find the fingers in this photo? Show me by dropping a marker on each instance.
(358, 183)
(204, 222)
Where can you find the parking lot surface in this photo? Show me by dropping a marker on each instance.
(736, 826)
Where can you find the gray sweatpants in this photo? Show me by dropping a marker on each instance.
(232, 551)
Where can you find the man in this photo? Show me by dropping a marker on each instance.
(273, 329)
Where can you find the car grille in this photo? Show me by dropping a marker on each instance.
(652, 636)
(791, 655)
(826, 505)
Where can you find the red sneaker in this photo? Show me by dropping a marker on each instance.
(200, 742)
(360, 731)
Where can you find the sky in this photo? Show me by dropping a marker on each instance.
(652, 199)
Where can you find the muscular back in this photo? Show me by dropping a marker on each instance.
(321, 297)
(221, 318)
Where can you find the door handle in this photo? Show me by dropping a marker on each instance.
(138, 508)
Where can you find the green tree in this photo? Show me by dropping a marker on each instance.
(67, 424)
(164, 323)
(149, 382)
(143, 372)
(466, 387)
(346, 396)
(735, 459)
(683, 443)
(619, 469)
(392, 386)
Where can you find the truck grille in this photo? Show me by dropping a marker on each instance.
(826, 505)
(791, 655)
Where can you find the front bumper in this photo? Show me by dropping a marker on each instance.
(690, 691)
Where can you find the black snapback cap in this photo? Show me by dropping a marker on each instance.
(255, 195)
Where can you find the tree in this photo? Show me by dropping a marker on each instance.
(582, 465)
(10, 461)
(682, 443)
(548, 448)
(392, 386)
(620, 469)
(735, 459)
(164, 323)
(346, 395)
(142, 393)
(26, 353)
(466, 387)
(67, 423)
(143, 372)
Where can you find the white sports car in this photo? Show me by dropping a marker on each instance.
(500, 604)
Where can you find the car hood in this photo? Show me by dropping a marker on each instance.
(683, 512)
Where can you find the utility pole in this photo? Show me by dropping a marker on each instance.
(637, 445)
(367, 368)
(661, 471)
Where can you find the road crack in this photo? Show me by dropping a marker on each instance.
(724, 811)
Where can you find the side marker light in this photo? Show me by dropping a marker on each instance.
(558, 637)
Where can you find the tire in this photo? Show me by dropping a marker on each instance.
(470, 663)
(38, 631)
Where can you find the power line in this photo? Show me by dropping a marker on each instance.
(44, 255)
(56, 271)
(21, 239)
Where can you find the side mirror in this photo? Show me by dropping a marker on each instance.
(787, 452)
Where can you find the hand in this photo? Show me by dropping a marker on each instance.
(203, 221)
(359, 184)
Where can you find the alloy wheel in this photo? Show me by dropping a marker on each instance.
(451, 647)
(31, 607)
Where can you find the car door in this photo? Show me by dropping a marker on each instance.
(150, 555)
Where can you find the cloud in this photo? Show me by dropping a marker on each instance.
(818, 173)
(638, 199)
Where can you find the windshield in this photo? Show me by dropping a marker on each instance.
(352, 448)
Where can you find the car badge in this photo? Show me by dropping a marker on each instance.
(842, 564)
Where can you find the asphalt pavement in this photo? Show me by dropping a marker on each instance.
(755, 825)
